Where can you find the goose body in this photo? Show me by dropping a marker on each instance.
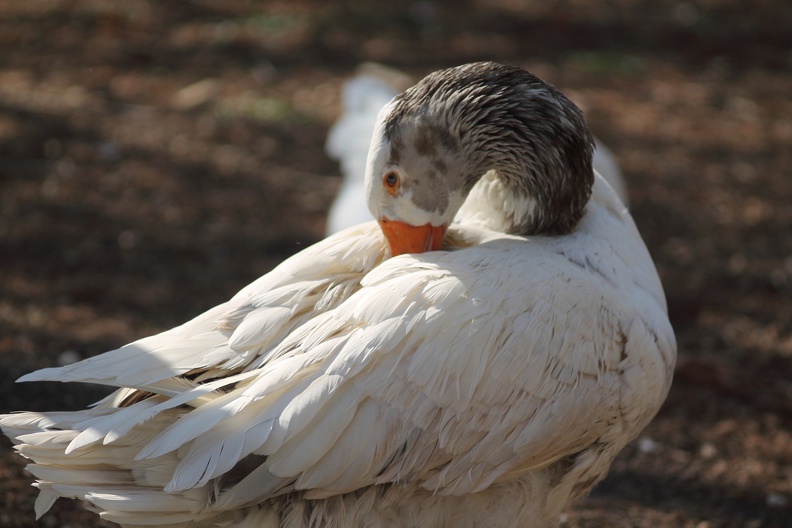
(485, 382)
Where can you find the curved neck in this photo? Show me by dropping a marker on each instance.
(494, 205)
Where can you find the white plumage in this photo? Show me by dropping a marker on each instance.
(486, 384)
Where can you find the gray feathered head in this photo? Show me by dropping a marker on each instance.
(435, 141)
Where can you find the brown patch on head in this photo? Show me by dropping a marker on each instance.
(429, 192)
(396, 147)
(424, 141)
(429, 138)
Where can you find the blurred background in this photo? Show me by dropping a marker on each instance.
(157, 156)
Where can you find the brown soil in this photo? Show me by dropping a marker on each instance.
(157, 156)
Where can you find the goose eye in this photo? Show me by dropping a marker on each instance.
(391, 181)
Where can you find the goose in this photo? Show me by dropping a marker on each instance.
(413, 371)
(362, 97)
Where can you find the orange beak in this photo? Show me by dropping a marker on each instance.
(404, 238)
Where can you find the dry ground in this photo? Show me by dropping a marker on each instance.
(157, 156)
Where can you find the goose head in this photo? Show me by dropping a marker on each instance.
(497, 136)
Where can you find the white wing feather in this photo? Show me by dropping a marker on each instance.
(450, 371)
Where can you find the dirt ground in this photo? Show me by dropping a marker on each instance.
(157, 156)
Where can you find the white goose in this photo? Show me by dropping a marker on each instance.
(348, 142)
(486, 382)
